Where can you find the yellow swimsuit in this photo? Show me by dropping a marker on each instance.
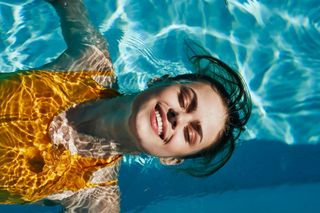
(31, 168)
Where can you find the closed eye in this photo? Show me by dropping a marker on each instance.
(190, 135)
(187, 99)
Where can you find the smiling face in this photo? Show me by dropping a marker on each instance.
(177, 120)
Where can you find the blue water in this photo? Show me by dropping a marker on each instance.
(274, 44)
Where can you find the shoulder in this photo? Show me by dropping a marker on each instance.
(91, 58)
(87, 57)
(106, 174)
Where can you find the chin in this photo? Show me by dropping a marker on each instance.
(139, 129)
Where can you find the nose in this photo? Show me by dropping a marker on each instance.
(172, 118)
(176, 118)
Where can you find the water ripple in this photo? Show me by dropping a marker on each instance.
(274, 44)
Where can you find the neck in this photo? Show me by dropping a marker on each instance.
(106, 119)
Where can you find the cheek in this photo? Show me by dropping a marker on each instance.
(177, 145)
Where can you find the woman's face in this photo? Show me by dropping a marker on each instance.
(177, 120)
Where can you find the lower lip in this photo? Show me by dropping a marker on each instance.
(153, 121)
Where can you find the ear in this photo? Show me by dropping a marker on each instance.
(170, 161)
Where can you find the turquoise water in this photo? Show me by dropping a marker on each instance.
(274, 44)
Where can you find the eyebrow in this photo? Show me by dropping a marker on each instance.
(193, 106)
(198, 129)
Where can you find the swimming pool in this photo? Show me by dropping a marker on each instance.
(275, 45)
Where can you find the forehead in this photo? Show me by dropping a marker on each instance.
(211, 111)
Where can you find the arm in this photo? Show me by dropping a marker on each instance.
(103, 198)
(100, 199)
(86, 47)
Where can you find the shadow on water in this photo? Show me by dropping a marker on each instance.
(254, 164)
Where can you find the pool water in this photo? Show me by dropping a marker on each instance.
(275, 45)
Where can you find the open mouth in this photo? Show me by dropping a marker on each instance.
(158, 121)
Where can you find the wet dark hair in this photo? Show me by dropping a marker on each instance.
(236, 98)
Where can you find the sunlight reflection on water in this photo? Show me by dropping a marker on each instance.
(275, 45)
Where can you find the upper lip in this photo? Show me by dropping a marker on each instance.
(164, 121)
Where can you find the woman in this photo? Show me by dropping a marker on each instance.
(62, 134)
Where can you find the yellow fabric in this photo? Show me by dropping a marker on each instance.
(30, 167)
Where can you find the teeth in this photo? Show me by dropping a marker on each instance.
(159, 121)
